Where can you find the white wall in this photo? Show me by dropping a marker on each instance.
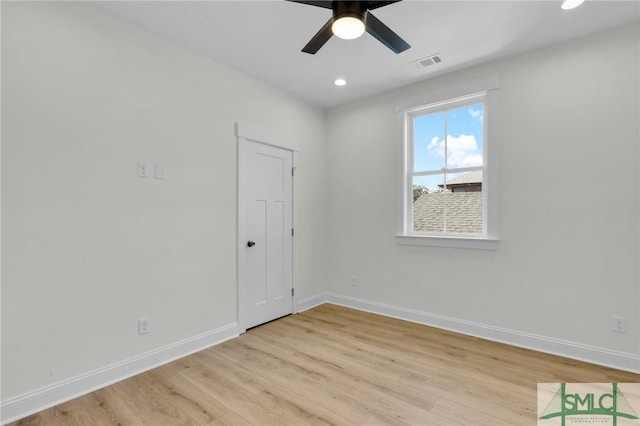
(568, 167)
(88, 247)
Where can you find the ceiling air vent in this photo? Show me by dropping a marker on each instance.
(429, 60)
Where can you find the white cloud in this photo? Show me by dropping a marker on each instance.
(434, 144)
(475, 113)
(462, 150)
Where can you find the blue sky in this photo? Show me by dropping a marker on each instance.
(464, 142)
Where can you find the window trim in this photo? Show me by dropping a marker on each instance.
(410, 173)
(488, 89)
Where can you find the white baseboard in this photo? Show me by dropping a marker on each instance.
(32, 402)
(311, 302)
(38, 400)
(568, 349)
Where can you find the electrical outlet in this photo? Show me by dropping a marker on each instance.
(143, 326)
(354, 281)
(619, 324)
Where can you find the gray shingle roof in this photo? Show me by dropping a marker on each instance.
(470, 177)
(464, 212)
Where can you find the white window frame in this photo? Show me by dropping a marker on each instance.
(487, 92)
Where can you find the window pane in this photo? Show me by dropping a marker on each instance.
(456, 210)
(464, 136)
(428, 142)
(428, 203)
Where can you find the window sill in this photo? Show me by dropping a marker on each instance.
(480, 243)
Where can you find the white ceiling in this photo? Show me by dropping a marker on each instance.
(264, 38)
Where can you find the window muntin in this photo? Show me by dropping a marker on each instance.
(445, 153)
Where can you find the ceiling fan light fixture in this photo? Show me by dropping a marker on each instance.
(571, 4)
(348, 27)
(349, 20)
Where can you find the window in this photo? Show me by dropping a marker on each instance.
(448, 188)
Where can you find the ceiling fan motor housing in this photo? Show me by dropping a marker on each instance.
(350, 9)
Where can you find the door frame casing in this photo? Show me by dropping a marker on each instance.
(247, 133)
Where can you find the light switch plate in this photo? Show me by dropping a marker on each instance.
(143, 169)
(160, 171)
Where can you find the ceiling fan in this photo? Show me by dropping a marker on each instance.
(350, 20)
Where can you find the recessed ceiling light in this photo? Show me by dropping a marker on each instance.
(340, 82)
(571, 4)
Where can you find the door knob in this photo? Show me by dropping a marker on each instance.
(250, 244)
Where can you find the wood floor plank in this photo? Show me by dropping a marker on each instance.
(351, 368)
(276, 397)
(308, 381)
(484, 386)
(432, 385)
(334, 366)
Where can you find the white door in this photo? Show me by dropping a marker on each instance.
(265, 232)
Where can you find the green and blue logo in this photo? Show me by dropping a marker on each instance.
(587, 403)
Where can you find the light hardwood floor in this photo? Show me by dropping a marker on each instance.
(333, 365)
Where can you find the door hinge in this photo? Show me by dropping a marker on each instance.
(292, 292)
(292, 232)
(292, 170)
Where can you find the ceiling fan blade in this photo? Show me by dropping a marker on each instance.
(319, 39)
(393, 41)
(320, 3)
(376, 4)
